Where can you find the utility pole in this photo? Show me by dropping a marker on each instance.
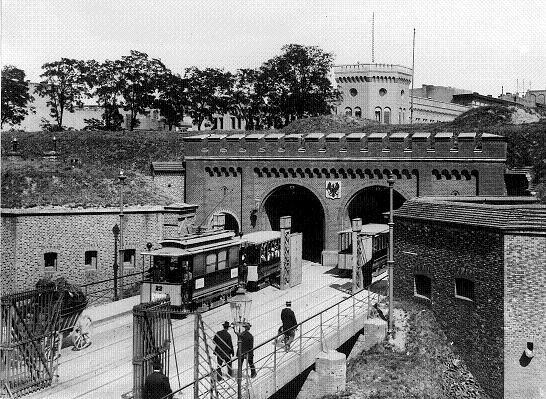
(373, 38)
(412, 77)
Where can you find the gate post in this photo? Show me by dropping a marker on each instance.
(356, 225)
(286, 224)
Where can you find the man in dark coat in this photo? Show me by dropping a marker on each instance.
(156, 385)
(289, 325)
(247, 349)
(223, 350)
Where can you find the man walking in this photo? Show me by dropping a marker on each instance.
(156, 385)
(289, 325)
(223, 350)
(247, 350)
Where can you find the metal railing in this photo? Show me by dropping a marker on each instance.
(102, 291)
(320, 329)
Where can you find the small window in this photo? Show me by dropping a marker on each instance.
(382, 92)
(90, 259)
(239, 123)
(464, 288)
(422, 286)
(221, 123)
(222, 258)
(210, 263)
(348, 111)
(129, 257)
(358, 112)
(50, 260)
(353, 92)
(378, 114)
(233, 123)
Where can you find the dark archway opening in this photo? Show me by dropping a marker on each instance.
(371, 203)
(307, 217)
(231, 223)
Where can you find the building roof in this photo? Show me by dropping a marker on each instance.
(503, 217)
(167, 167)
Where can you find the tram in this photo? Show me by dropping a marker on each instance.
(376, 242)
(203, 270)
(260, 258)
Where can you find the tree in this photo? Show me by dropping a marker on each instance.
(140, 77)
(207, 93)
(172, 100)
(296, 82)
(246, 102)
(106, 82)
(15, 95)
(64, 82)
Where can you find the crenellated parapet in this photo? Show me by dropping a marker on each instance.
(316, 146)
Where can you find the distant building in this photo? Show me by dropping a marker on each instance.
(435, 104)
(481, 268)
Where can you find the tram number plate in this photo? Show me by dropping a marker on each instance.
(234, 272)
(199, 283)
(158, 295)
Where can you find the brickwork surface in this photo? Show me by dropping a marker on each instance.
(444, 253)
(524, 315)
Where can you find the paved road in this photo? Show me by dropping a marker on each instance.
(104, 370)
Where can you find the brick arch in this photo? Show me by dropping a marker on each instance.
(455, 173)
(406, 173)
(351, 194)
(229, 212)
(446, 174)
(436, 173)
(308, 172)
(317, 172)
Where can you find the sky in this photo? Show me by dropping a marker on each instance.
(475, 45)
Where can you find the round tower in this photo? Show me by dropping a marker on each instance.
(374, 91)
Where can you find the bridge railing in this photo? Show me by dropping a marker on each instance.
(315, 331)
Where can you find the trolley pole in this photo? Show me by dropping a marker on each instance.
(390, 260)
(121, 178)
(115, 231)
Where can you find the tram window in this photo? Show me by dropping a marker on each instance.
(129, 258)
(222, 261)
(199, 265)
(50, 260)
(210, 263)
(91, 259)
(464, 288)
(233, 257)
(422, 286)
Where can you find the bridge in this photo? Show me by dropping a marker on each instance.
(328, 315)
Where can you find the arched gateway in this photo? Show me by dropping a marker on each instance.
(323, 180)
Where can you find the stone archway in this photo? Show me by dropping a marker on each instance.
(371, 203)
(307, 215)
(231, 221)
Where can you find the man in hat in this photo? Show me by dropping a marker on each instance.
(247, 349)
(223, 350)
(156, 385)
(289, 325)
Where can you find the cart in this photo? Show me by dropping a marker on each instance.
(71, 323)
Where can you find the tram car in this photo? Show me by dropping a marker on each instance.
(260, 258)
(194, 271)
(376, 243)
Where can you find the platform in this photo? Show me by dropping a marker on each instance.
(105, 368)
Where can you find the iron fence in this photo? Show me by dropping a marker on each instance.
(102, 291)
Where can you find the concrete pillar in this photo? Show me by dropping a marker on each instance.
(356, 225)
(374, 332)
(286, 225)
(329, 377)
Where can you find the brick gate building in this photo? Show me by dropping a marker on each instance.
(324, 180)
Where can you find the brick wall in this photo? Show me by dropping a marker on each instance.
(172, 184)
(70, 233)
(524, 314)
(444, 253)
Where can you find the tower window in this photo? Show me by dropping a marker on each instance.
(50, 260)
(382, 92)
(91, 259)
(353, 92)
(348, 111)
(358, 112)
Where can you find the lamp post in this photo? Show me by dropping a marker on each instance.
(115, 230)
(121, 178)
(240, 308)
(390, 260)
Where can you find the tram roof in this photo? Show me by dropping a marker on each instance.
(259, 237)
(177, 251)
(370, 229)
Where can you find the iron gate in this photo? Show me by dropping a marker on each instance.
(29, 324)
(151, 339)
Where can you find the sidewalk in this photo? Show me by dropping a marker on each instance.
(104, 313)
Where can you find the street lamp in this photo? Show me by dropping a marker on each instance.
(390, 260)
(115, 230)
(240, 308)
(121, 178)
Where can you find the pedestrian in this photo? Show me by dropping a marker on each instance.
(289, 325)
(247, 350)
(223, 350)
(156, 385)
